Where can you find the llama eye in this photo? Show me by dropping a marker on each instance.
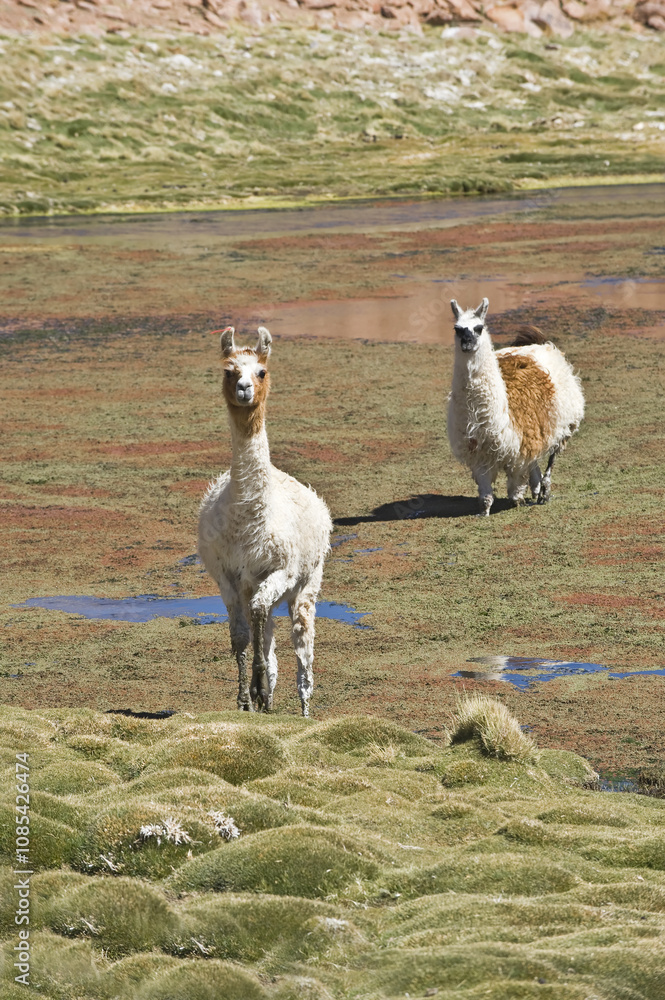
(228, 373)
(477, 329)
(262, 373)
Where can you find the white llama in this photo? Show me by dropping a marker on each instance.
(263, 536)
(509, 409)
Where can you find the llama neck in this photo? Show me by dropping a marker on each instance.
(250, 464)
(478, 378)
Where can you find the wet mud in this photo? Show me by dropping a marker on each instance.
(115, 425)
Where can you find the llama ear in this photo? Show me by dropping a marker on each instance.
(226, 341)
(457, 312)
(481, 311)
(263, 343)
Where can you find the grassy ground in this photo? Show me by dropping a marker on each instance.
(115, 425)
(371, 863)
(133, 123)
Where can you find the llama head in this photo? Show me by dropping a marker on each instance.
(246, 378)
(469, 325)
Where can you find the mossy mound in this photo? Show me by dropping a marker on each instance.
(122, 915)
(257, 857)
(209, 980)
(67, 777)
(234, 752)
(51, 843)
(127, 759)
(125, 838)
(263, 929)
(292, 861)
(361, 736)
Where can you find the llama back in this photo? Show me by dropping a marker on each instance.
(545, 396)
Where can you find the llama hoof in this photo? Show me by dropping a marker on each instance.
(544, 494)
(245, 706)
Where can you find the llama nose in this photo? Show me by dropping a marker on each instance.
(244, 390)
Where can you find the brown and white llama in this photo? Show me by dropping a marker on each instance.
(263, 536)
(509, 409)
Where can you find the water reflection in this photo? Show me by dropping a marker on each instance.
(500, 668)
(145, 607)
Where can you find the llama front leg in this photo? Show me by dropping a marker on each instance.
(267, 595)
(485, 494)
(239, 642)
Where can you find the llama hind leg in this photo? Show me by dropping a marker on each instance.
(546, 484)
(303, 611)
(535, 480)
(270, 655)
(517, 483)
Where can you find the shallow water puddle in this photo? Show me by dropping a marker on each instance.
(145, 607)
(500, 667)
(421, 312)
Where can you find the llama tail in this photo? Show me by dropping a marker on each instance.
(528, 335)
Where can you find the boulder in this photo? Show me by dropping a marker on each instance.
(651, 13)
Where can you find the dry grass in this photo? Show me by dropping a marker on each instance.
(285, 114)
(497, 731)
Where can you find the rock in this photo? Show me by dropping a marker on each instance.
(594, 10)
(507, 18)
(213, 19)
(552, 20)
(463, 10)
(651, 13)
(438, 17)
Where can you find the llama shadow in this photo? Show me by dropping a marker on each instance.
(424, 505)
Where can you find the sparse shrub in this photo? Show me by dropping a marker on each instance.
(292, 861)
(497, 732)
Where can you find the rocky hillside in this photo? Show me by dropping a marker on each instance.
(531, 17)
